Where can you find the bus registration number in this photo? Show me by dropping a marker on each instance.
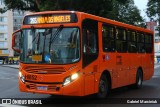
(30, 77)
(41, 87)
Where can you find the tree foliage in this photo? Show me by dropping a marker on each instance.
(128, 13)
(120, 10)
(26, 5)
(153, 9)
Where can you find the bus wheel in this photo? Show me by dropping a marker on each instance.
(103, 87)
(139, 79)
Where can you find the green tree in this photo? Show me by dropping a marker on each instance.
(127, 13)
(91, 6)
(153, 9)
(97, 7)
(119, 10)
(25, 5)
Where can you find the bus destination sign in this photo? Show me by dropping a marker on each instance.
(50, 18)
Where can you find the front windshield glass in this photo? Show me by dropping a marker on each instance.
(50, 46)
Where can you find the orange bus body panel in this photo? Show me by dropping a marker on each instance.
(121, 74)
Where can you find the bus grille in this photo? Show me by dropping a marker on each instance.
(33, 86)
(44, 70)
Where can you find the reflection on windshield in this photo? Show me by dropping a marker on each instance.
(52, 45)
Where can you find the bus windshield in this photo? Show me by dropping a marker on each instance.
(50, 45)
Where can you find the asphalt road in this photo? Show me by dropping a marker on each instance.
(150, 89)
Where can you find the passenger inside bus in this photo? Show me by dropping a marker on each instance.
(90, 45)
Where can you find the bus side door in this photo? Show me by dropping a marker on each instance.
(90, 54)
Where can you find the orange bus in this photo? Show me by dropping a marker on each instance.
(76, 54)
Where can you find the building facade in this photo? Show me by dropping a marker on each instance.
(157, 43)
(17, 19)
(151, 24)
(17, 22)
(155, 28)
(6, 30)
(10, 21)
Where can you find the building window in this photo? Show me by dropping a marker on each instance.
(5, 51)
(1, 2)
(1, 19)
(156, 29)
(3, 28)
(1, 44)
(157, 40)
(156, 34)
(1, 35)
(15, 20)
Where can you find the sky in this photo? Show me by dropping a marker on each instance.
(142, 5)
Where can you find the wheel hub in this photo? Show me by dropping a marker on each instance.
(102, 86)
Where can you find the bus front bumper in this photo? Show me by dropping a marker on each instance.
(72, 89)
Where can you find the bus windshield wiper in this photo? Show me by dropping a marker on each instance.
(35, 37)
(55, 35)
(33, 34)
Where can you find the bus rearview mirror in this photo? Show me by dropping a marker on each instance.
(16, 41)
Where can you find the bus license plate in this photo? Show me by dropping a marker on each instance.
(42, 88)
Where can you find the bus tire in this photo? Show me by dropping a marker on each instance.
(139, 79)
(103, 88)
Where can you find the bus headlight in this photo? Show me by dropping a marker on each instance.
(74, 76)
(71, 78)
(67, 81)
(21, 77)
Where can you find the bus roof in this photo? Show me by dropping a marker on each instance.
(98, 18)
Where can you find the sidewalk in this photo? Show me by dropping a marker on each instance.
(11, 66)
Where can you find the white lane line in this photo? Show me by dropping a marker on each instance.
(156, 66)
(155, 76)
(9, 105)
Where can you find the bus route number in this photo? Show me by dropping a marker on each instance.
(30, 77)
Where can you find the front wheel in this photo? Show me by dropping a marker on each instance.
(103, 87)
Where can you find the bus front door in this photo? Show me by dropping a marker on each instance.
(90, 54)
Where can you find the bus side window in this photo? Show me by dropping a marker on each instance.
(121, 43)
(90, 41)
(132, 41)
(90, 45)
(140, 43)
(148, 43)
(108, 38)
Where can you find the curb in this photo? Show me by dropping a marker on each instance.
(10, 67)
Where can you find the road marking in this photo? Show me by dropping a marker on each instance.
(155, 76)
(9, 105)
(156, 66)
